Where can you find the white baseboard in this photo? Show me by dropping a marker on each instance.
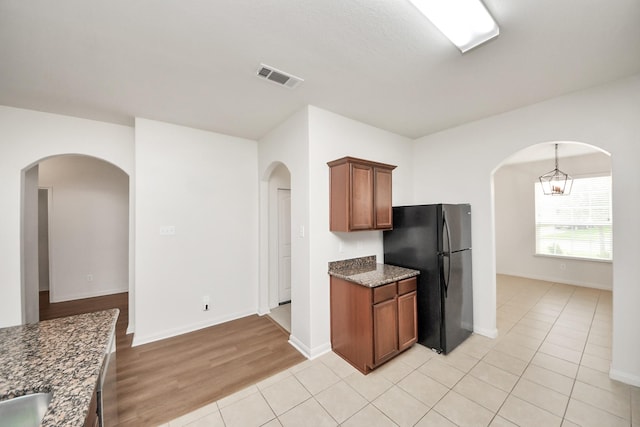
(624, 377)
(308, 352)
(320, 350)
(146, 339)
(558, 280)
(298, 345)
(83, 295)
(489, 333)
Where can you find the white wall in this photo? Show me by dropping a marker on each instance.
(26, 137)
(206, 186)
(331, 137)
(89, 233)
(288, 144)
(606, 117)
(305, 143)
(515, 224)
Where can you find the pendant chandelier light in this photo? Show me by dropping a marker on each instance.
(556, 182)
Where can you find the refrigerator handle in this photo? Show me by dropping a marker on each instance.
(445, 226)
(445, 280)
(446, 254)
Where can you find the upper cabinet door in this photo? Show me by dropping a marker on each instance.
(383, 209)
(360, 195)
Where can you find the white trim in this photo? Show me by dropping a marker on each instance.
(49, 236)
(489, 333)
(308, 352)
(83, 295)
(299, 345)
(169, 333)
(52, 266)
(607, 261)
(624, 377)
(564, 281)
(280, 192)
(320, 350)
(49, 190)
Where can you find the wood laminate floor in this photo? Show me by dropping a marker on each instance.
(160, 381)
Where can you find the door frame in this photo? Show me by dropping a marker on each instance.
(280, 193)
(49, 191)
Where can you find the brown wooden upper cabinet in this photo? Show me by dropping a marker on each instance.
(360, 195)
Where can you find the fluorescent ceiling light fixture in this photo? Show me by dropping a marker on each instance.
(467, 23)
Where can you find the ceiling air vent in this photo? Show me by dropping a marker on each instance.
(279, 77)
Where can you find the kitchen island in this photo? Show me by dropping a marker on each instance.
(373, 311)
(63, 357)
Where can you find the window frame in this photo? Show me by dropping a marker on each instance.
(537, 189)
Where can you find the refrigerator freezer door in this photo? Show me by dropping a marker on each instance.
(456, 227)
(457, 305)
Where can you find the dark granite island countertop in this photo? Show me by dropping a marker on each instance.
(367, 272)
(63, 356)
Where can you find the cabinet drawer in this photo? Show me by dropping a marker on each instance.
(383, 293)
(407, 285)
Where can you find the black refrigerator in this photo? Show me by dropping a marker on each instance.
(436, 239)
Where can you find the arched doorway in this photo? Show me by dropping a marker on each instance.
(88, 236)
(514, 212)
(279, 245)
(518, 232)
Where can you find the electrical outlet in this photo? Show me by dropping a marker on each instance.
(205, 303)
(89, 277)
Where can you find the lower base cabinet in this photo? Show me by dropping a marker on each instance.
(369, 326)
(385, 327)
(407, 320)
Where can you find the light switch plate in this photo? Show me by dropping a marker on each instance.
(167, 230)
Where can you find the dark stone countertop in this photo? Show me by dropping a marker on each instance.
(63, 356)
(367, 272)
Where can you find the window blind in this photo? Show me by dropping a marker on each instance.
(578, 225)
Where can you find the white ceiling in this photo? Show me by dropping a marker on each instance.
(193, 62)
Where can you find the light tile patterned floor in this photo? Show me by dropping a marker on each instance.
(548, 367)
